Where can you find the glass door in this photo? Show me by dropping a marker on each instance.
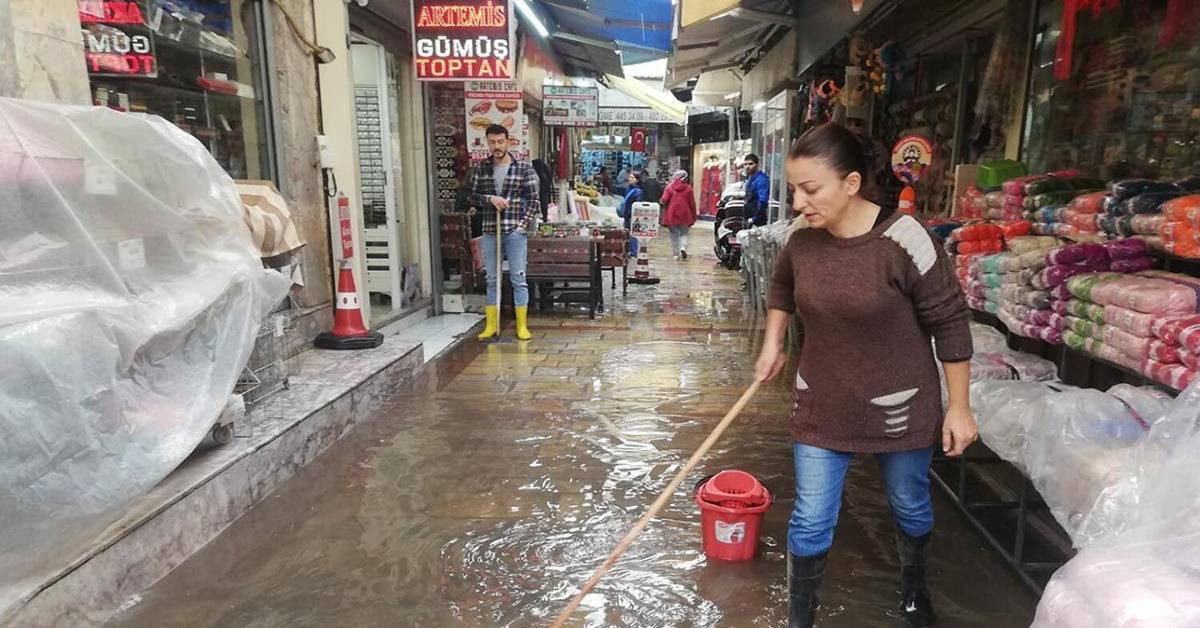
(381, 241)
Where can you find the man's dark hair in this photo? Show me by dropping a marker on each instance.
(603, 169)
(752, 158)
(496, 129)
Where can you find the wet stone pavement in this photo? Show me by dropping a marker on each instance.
(486, 491)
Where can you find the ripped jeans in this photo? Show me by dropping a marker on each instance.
(516, 249)
(819, 476)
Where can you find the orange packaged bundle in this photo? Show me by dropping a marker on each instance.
(1183, 209)
(1180, 238)
(1016, 229)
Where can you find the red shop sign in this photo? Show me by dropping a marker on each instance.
(343, 204)
(458, 40)
(116, 38)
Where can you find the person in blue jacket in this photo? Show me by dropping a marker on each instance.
(632, 195)
(758, 191)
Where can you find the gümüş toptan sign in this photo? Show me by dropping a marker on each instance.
(116, 39)
(456, 40)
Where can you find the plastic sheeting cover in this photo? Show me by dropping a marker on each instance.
(130, 296)
(1139, 569)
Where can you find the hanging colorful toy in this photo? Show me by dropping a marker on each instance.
(883, 67)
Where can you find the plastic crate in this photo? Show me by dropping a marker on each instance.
(993, 174)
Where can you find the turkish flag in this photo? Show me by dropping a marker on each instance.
(637, 139)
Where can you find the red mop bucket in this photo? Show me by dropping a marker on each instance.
(732, 504)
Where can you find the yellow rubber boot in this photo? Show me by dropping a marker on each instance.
(522, 318)
(493, 322)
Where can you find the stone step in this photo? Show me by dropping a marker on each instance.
(329, 393)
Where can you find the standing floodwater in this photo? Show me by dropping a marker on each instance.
(487, 491)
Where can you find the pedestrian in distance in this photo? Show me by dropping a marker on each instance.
(679, 212)
(633, 194)
(505, 188)
(872, 289)
(758, 191)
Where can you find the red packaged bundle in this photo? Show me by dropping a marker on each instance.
(980, 246)
(1016, 229)
(1090, 203)
(1163, 352)
(1167, 328)
(980, 231)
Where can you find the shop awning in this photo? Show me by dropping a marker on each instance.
(640, 30)
(657, 99)
(585, 56)
(718, 35)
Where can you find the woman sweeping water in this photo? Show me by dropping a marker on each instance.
(872, 289)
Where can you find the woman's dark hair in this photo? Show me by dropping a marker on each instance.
(640, 175)
(496, 129)
(843, 149)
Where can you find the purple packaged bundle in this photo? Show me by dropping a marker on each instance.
(1086, 253)
(1135, 265)
(1128, 248)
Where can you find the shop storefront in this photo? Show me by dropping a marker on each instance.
(201, 68)
(1115, 91)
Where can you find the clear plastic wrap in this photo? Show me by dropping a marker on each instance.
(1141, 538)
(130, 297)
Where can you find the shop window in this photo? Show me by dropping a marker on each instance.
(1116, 90)
(195, 63)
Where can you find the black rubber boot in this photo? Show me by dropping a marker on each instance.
(804, 578)
(915, 605)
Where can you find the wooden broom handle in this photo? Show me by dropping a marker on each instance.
(499, 273)
(658, 505)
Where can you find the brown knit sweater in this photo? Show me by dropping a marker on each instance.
(867, 380)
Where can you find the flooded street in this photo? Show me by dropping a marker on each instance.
(486, 491)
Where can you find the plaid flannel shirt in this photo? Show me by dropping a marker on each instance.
(520, 189)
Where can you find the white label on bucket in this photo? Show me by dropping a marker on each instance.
(731, 533)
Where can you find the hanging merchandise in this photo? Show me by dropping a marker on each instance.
(911, 157)
(882, 67)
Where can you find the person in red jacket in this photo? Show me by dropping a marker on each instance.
(679, 212)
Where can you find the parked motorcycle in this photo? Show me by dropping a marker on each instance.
(728, 221)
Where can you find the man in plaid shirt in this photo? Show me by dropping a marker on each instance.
(502, 186)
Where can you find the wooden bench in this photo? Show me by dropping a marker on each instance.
(614, 254)
(568, 267)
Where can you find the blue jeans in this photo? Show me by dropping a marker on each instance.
(819, 477)
(516, 249)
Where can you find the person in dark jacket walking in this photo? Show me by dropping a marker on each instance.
(679, 213)
(872, 289)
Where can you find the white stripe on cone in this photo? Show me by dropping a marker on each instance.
(347, 300)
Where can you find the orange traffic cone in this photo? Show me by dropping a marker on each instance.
(349, 332)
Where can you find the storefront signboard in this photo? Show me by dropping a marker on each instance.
(644, 224)
(460, 40)
(494, 102)
(116, 39)
(911, 156)
(637, 115)
(570, 106)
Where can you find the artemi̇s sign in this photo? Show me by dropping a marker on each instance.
(457, 40)
(116, 38)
